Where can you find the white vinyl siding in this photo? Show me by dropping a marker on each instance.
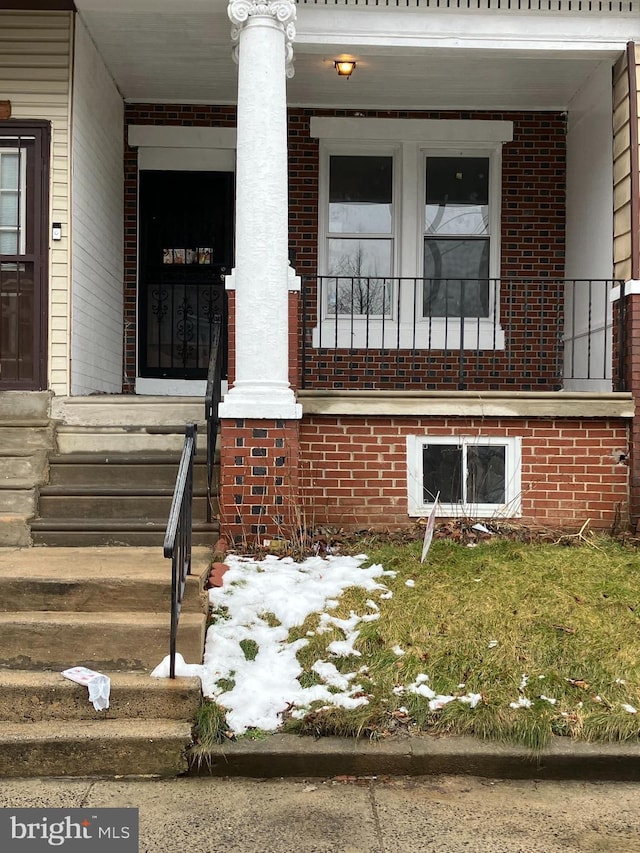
(35, 71)
(98, 115)
(622, 120)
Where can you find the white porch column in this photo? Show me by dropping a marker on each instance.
(264, 31)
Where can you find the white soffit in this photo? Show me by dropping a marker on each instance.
(161, 51)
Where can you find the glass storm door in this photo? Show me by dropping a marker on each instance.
(24, 152)
(186, 243)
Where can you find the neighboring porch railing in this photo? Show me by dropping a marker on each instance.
(492, 334)
(177, 542)
(564, 7)
(212, 399)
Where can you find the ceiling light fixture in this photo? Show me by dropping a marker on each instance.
(344, 67)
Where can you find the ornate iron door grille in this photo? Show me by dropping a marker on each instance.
(186, 223)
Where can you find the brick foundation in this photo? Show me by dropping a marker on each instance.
(353, 470)
(259, 495)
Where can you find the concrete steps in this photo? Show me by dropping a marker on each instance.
(94, 748)
(116, 499)
(43, 697)
(106, 608)
(27, 436)
(118, 640)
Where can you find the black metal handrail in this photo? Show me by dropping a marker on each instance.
(177, 540)
(212, 399)
(516, 333)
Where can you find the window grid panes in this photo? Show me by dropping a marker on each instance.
(466, 474)
(360, 235)
(12, 201)
(456, 242)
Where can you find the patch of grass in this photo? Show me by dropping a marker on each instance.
(271, 619)
(210, 728)
(508, 620)
(250, 648)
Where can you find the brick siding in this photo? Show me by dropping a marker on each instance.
(533, 199)
(532, 244)
(259, 479)
(353, 470)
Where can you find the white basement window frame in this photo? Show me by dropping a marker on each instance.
(421, 504)
(410, 143)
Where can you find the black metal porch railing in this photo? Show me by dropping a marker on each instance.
(177, 541)
(495, 334)
(212, 399)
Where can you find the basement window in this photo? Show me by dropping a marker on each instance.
(475, 476)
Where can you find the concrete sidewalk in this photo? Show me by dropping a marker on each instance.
(282, 755)
(438, 814)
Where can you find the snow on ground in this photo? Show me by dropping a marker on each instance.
(252, 594)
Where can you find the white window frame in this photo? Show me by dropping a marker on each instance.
(21, 228)
(410, 142)
(474, 327)
(511, 508)
(324, 234)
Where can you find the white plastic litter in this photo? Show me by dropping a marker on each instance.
(99, 685)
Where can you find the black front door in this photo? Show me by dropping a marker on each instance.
(24, 224)
(186, 247)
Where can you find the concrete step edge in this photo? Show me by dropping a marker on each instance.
(40, 696)
(48, 679)
(113, 525)
(105, 748)
(131, 458)
(26, 422)
(128, 619)
(90, 729)
(73, 491)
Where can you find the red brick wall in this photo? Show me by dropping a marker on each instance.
(259, 479)
(533, 231)
(632, 350)
(533, 196)
(353, 470)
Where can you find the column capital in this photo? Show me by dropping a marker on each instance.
(282, 12)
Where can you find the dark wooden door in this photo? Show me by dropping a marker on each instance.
(24, 229)
(186, 247)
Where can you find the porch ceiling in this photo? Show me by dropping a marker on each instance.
(162, 51)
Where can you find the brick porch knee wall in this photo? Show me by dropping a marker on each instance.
(259, 495)
(353, 470)
(633, 384)
(293, 332)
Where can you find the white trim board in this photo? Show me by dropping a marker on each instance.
(196, 160)
(412, 130)
(158, 136)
